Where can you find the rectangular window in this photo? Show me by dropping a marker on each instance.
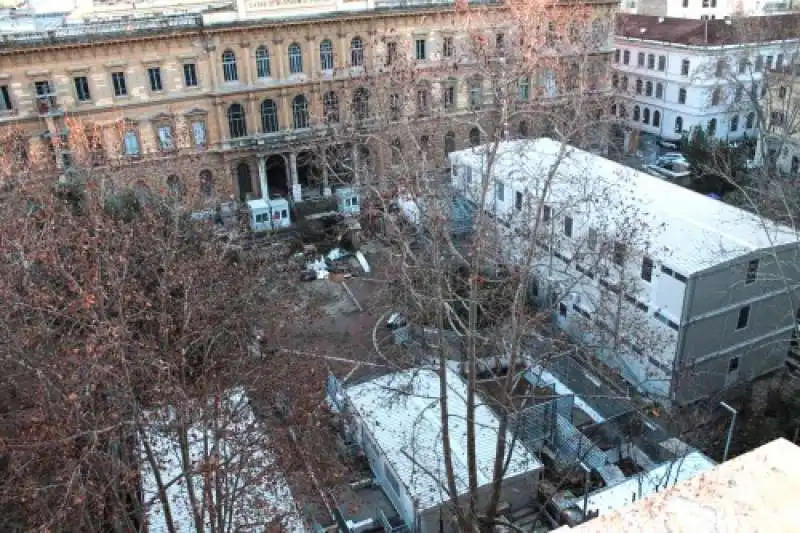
(619, 253)
(744, 317)
(449, 97)
(547, 213)
(759, 63)
(752, 272)
(568, 226)
(562, 309)
(518, 201)
(189, 75)
(500, 41)
(5, 99)
(733, 364)
(391, 53)
(419, 50)
(742, 65)
(651, 61)
(199, 133)
(617, 55)
(82, 88)
(165, 138)
(685, 66)
(626, 57)
(130, 143)
(447, 47)
(647, 269)
(591, 239)
(662, 63)
(154, 75)
(499, 191)
(118, 82)
(685, 3)
(640, 59)
(770, 61)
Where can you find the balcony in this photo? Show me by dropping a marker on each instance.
(47, 105)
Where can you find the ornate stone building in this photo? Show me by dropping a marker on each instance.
(254, 90)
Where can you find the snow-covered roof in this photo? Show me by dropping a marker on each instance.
(402, 412)
(256, 488)
(690, 232)
(640, 485)
(261, 203)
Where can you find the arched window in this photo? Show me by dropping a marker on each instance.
(648, 88)
(659, 90)
(712, 127)
(623, 113)
(174, 185)
(475, 92)
(330, 106)
(637, 113)
(361, 103)
(229, 72)
(206, 183)
(638, 86)
(295, 59)
(656, 118)
(237, 124)
(449, 143)
(678, 124)
(262, 62)
(613, 111)
(326, 55)
(299, 112)
(646, 115)
(269, 116)
(523, 128)
(356, 52)
(474, 137)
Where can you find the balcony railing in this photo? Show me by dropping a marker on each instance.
(84, 31)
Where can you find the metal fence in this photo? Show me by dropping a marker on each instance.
(570, 447)
(537, 423)
(592, 388)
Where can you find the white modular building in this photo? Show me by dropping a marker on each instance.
(682, 293)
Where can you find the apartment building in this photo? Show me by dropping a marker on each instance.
(256, 89)
(779, 140)
(706, 9)
(674, 75)
(685, 295)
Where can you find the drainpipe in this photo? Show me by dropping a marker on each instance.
(586, 481)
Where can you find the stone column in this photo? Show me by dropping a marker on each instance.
(253, 115)
(213, 63)
(313, 57)
(326, 187)
(277, 54)
(262, 177)
(220, 112)
(341, 56)
(247, 63)
(297, 189)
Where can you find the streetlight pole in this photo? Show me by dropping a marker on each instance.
(733, 413)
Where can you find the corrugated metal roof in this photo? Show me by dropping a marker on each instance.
(402, 412)
(688, 231)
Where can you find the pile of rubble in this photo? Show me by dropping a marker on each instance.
(336, 265)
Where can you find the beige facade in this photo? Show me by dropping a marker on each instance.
(248, 101)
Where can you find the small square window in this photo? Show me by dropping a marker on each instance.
(647, 269)
(568, 226)
(752, 272)
(733, 364)
(744, 317)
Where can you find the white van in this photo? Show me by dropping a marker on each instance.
(267, 215)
